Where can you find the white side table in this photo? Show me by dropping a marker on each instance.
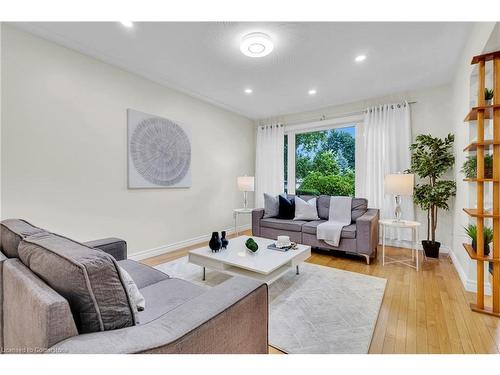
(405, 224)
(240, 211)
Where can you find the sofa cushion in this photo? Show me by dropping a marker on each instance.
(286, 207)
(142, 274)
(305, 210)
(89, 279)
(348, 231)
(281, 224)
(358, 207)
(12, 231)
(271, 206)
(166, 295)
(323, 203)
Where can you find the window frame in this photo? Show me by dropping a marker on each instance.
(292, 130)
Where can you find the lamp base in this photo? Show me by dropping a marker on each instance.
(397, 210)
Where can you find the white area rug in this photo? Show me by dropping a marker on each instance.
(322, 310)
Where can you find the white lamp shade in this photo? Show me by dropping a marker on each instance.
(399, 184)
(246, 183)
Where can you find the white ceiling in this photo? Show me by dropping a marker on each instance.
(204, 60)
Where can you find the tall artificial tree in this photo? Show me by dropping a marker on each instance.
(431, 158)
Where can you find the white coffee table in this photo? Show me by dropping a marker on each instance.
(265, 265)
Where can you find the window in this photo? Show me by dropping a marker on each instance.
(323, 161)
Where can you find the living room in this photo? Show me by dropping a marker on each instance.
(249, 187)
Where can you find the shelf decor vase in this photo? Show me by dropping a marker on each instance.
(486, 248)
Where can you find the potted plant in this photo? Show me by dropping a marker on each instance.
(488, 96)
(469, 168)
(431, 158)
(471, 231)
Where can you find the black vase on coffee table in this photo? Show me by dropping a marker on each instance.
(215, 243)
(223, 239)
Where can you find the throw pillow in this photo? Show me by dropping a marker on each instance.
(271, 206)
(133, 291)
(305, 210)
(286, 208)
(88, 278)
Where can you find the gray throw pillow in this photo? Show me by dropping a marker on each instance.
(271, 206)
(89, 279)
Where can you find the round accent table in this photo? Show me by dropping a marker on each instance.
(240, 211)
(404, 224)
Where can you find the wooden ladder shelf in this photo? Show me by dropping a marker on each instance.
(480, 113)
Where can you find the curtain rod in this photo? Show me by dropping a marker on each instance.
(323, 118)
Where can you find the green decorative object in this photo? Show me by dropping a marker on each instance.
(431, 158)
(251, 245)
(469, 168)
(471, 231)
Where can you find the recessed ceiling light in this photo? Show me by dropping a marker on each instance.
(256, 45)
(360, 58)
(312, 92)
(127, 24)
(248, 91)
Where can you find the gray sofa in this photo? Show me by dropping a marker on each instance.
(179, 317)
(360, 237)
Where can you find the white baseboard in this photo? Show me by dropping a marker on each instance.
(179, 245)
(470, 285)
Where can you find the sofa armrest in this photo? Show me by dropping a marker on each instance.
(3, 258)
(257, 215)
(35, 317)
(115, 247)
(367, 231)
(229, 318)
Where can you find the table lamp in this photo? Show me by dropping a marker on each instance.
(246, 184)
(399, 184)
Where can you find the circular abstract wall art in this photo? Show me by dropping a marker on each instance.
(160, 151)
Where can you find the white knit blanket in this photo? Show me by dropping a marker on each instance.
(339, 216)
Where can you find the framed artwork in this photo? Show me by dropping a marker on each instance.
(159, 152)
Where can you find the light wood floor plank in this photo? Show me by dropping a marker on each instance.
(424, 312)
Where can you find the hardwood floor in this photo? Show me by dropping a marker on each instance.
(424, 312)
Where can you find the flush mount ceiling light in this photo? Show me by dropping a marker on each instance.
(248, 91)
(312, 92)
(127, 24)
(256, 45)
(360, 58)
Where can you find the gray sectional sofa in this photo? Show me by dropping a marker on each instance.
(360, 237)
(50, 285)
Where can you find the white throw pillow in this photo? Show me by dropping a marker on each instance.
(133, 291)
(305, 210)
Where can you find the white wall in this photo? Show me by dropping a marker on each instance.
(64, 150)
(431, 114)
(460, 100)
(0, 122)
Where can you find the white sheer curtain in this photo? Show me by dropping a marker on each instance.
(382, 147)
(269, 161)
